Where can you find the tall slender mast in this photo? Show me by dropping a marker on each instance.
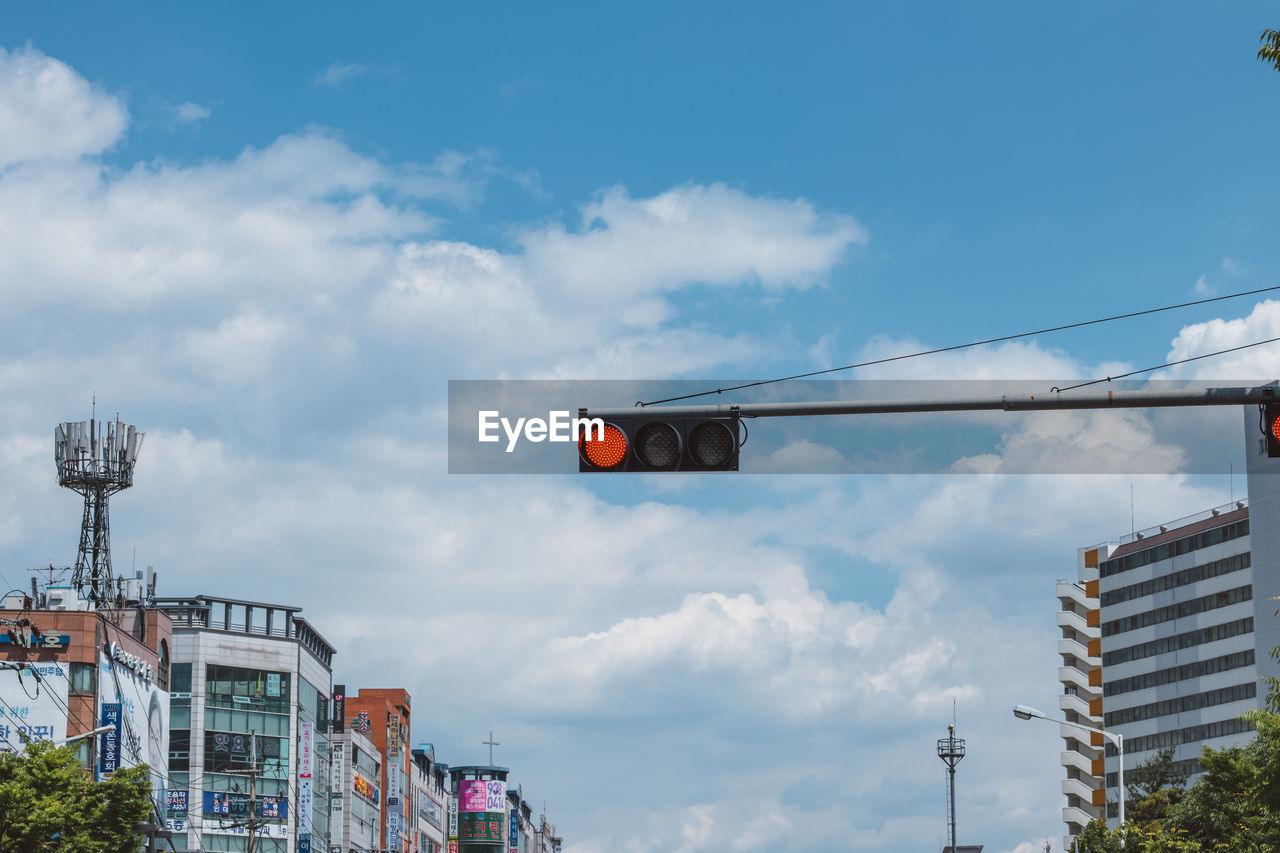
(951, 750)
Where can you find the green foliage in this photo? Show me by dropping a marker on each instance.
(1155, 786)
(1269, 51)
(48, 802)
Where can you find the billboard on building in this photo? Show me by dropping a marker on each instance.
(481, 826)
(339, 708)
(37, 709)
(127, 680)
(482, 795)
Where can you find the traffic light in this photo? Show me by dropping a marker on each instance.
(1271, 428)
(657, 443)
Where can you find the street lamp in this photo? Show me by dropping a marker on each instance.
(99, 730)
(1026, 712)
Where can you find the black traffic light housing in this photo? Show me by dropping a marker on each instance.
(653, 442)
(1271, 428)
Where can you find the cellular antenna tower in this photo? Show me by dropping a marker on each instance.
(95, 460)
(951, 750)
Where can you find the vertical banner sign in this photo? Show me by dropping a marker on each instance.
(339, 708)
(306, 737)
(393, 737)
(337, 776)
(394, 808)
(453, 822)
(109, 745)
(513, 840)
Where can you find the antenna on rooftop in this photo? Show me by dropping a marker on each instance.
(96, 461)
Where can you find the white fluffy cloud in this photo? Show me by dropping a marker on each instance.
(49, 112)
(1255, 363)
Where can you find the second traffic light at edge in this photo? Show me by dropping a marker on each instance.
(652, 442)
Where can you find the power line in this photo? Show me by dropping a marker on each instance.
(1167, 364)
(1001, 339)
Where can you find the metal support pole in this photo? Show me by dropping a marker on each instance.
(1229, 396)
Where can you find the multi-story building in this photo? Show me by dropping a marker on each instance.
(1081, 699)
(355, 812)
(1169, 651)
(479, 816)
(68, 668)
(428, 801)
(387, 712)
(250, 696)
(521, 830)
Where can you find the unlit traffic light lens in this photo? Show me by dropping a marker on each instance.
(711, 444)
(658, 445)
(605, 452)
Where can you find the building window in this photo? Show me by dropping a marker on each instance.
(162, 666)
(83, 676)
(179, 749)
(247, 689)
(181, 677)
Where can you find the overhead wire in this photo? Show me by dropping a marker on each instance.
(1166, 364)
(956, 347)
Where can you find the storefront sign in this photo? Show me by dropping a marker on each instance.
(339, 708)
(514, 836)
(176, 802)
(24, 638)
(237, 805)
(453, 820)
(132, 662)
(35, 710)
(485, 826)
(109, 742)
(265, 830)
(364, 787)
(306, 734)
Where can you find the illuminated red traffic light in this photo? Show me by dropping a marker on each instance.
(1271, 429)
(653, 442)
(604, 452)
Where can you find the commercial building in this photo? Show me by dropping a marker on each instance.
(428, 801)
(251, 685)
(386, 711)
(355, 811)
(68, 667)
(479, 820)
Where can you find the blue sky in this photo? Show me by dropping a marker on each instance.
(270, 237)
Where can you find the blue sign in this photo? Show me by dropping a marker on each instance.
(176, 802)
(109, 743)
(304, 842)
(514, 837)
(237, 805)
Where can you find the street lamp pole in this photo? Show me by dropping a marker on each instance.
(1026, 712)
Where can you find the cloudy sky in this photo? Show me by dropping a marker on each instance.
(270, 238)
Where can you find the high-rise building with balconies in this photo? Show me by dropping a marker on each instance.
(1081, 699)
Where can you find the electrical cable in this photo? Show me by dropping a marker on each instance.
(1163, 366)
(1000, 339)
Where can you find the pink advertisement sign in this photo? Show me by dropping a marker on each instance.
(473, 795)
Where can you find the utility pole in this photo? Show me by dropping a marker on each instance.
(251, 821)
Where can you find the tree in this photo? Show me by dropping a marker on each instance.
(1269, 52)
(1155, 786)
(1233, 806)
(49, 802)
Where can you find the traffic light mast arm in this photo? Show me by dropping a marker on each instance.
(1230, 396)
